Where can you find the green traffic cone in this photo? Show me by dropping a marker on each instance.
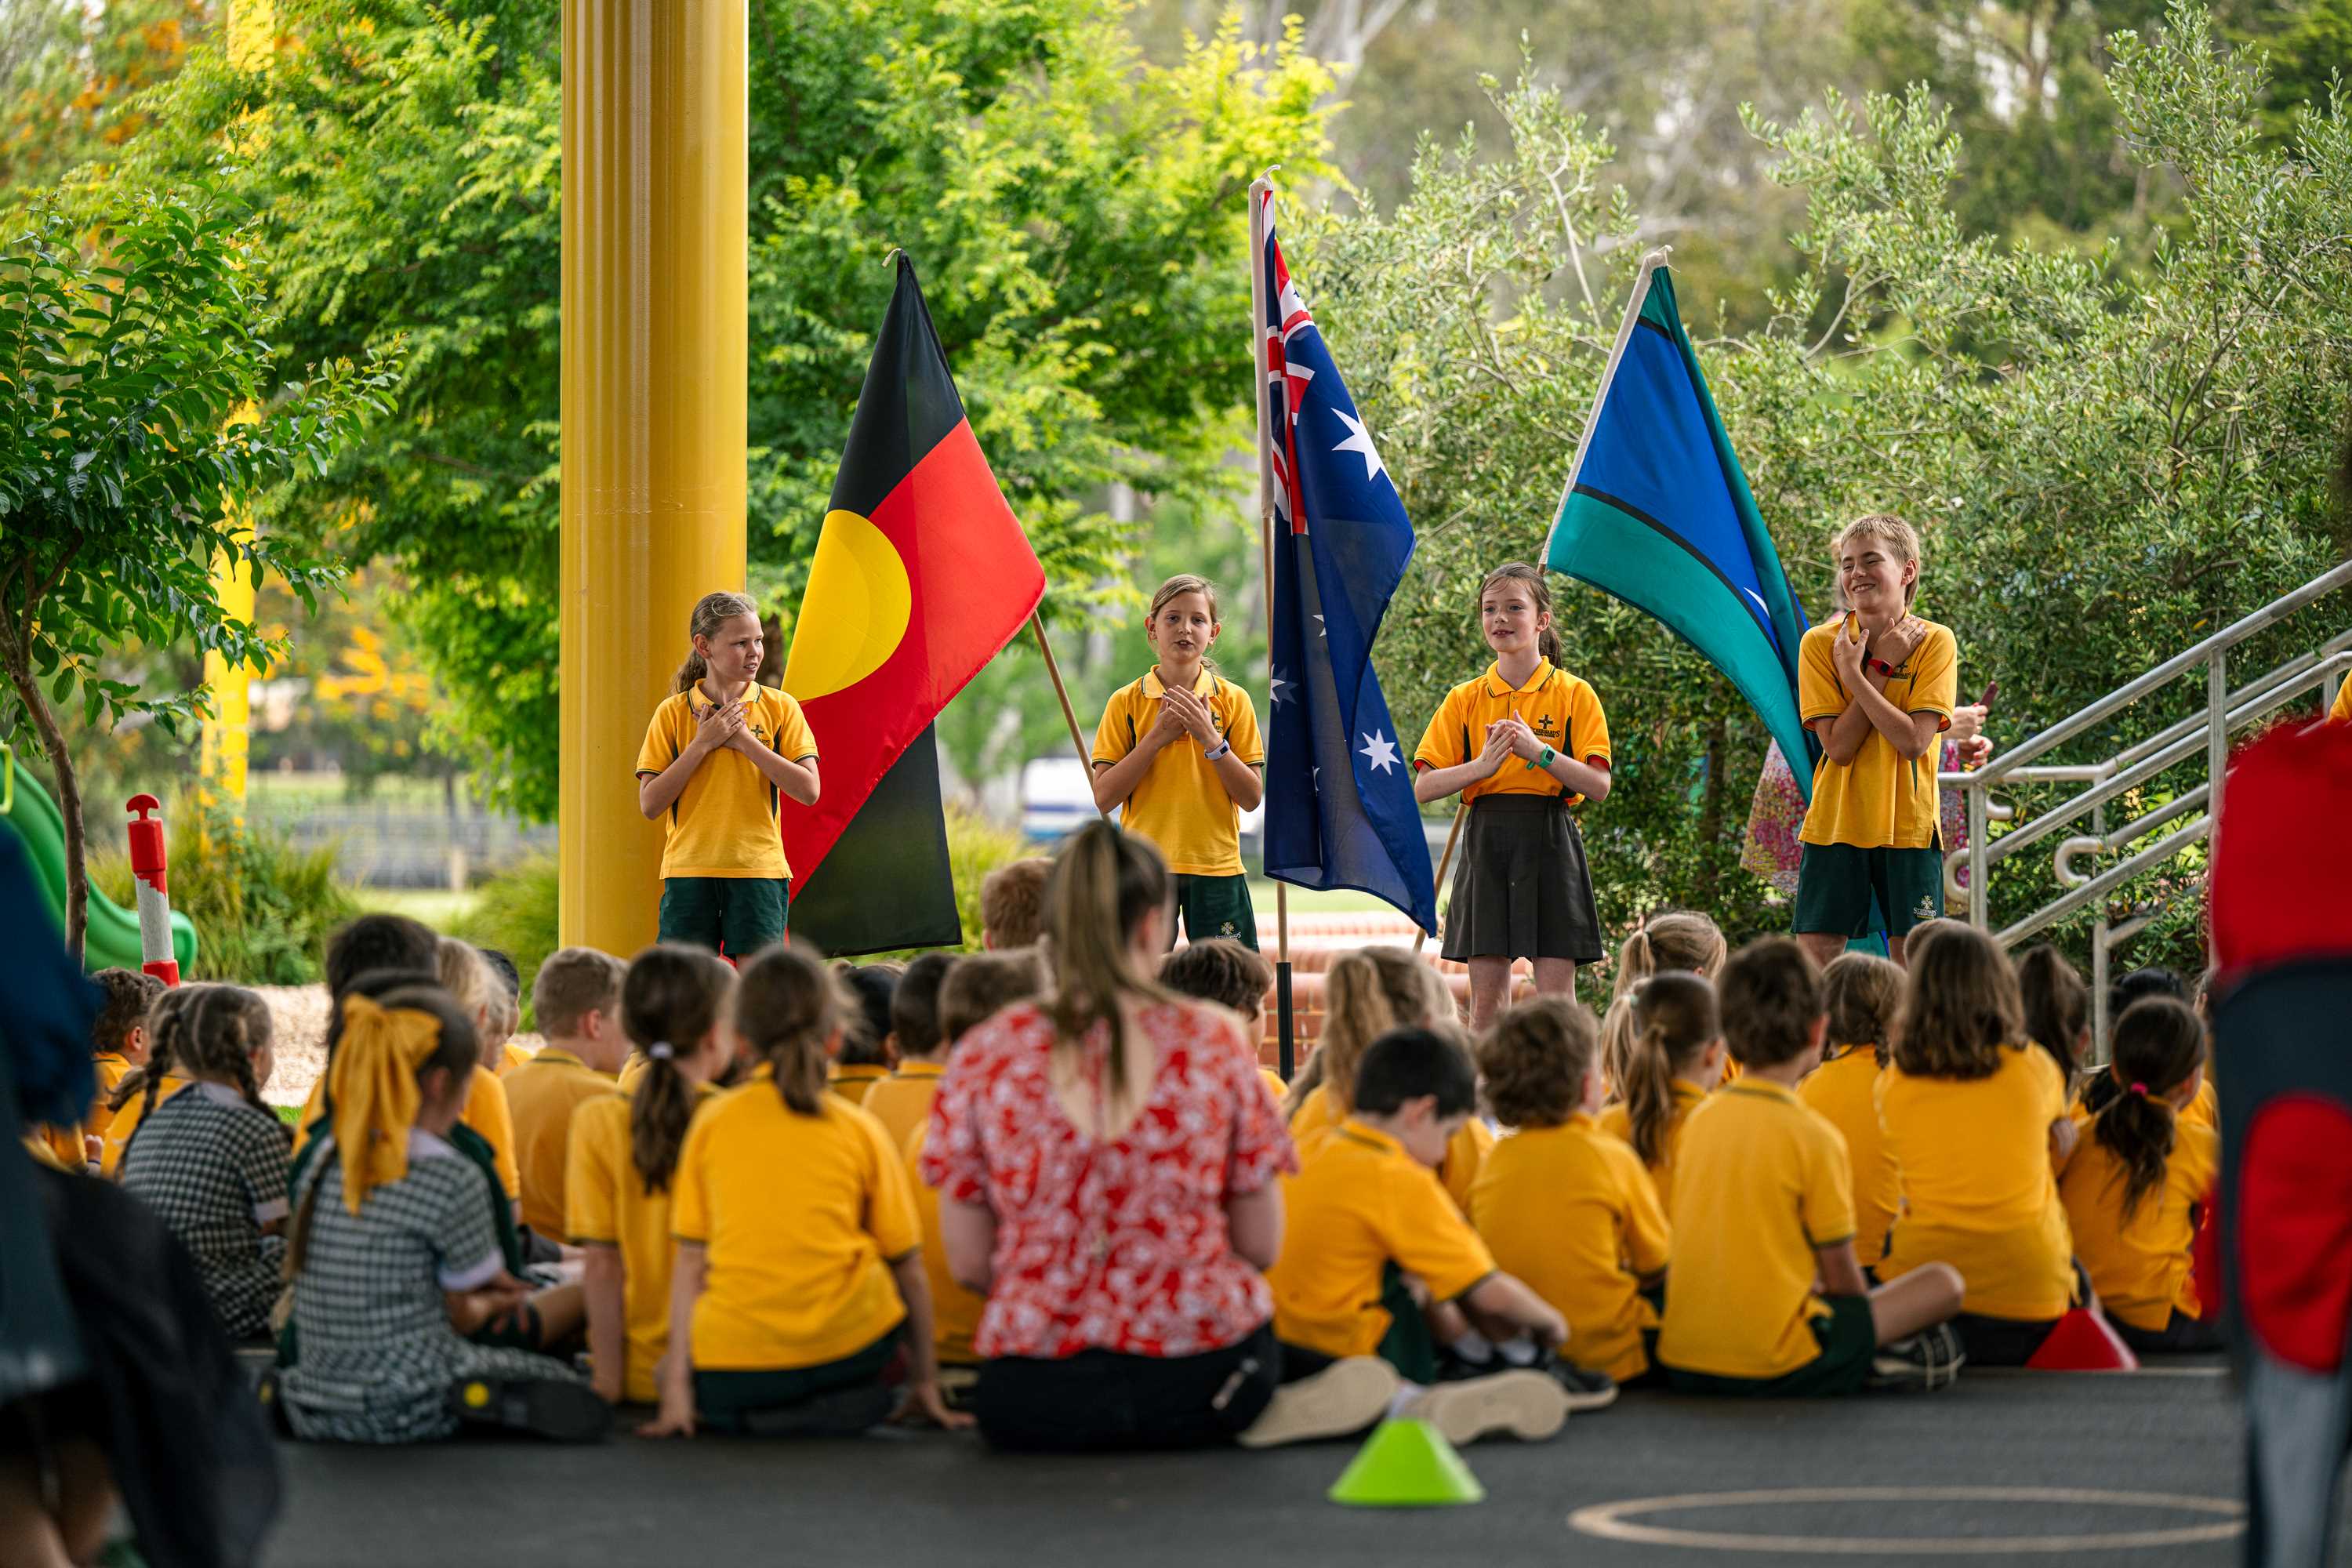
(1406, 1464)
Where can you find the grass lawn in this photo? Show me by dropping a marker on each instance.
(437, 907)
(1337, 902)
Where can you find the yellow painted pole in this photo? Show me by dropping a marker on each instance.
(654, 218)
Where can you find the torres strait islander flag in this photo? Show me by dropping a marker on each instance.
(921, 574)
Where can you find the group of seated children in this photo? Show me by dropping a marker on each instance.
(1750, 1177)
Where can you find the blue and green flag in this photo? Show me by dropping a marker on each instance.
(1658, 513)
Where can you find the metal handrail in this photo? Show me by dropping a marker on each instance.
(2225, 710)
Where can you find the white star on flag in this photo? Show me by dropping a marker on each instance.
(1275, 696)
(1381, 750)
(1320, 630)
(1358, 440)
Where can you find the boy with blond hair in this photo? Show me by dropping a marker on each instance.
(1877, 685)
(577, 997)
(1763, 1210)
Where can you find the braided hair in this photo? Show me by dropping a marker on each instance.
(210, 1029)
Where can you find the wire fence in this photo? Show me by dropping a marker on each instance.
(407, 846)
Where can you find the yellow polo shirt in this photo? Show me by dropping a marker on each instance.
(1466, 1152)
(112, 1069)
(1561, 709)
(724, 822)
(126, 1122)
(1358, 1202)
(902, 1101)
(1977, 1192)
(1844, 1089)
(1274, 1084)
(543, 1095)
(955, 1311)
(1617, 1122)
(1569, 1211)
(510, 1056)
(1180, 803)
(1881, 800)
(1760, 1186)
(486, 1112)
(2342, 712)
(856, 1081)
(802, 1217)
(606, 1203)
(2140, 1266)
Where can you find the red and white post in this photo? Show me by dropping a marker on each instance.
(155, 900)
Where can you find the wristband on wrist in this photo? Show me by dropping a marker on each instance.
(1545, 761)
(1882, 667)
(1222, 748)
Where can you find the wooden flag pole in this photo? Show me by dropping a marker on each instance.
(1260, 192)
(1069, 715)
(1437, 884)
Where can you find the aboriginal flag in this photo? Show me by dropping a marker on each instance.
(921, 574)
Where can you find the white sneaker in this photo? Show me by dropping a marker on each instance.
(1347, 1396)
(1529, 1405)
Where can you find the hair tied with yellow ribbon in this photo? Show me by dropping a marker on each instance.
(373, 1086)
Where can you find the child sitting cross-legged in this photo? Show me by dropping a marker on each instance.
(901, 1101)
(211, 1162)
(798, 1285)
(1563, 1204)
(1863, 996)
(2134, 1183)
(868, 1046)
(1763, 1216)
(980, 987)
(1370, 1236)
(577, 998)
(1222, 970)
(623, 1160)
(1675, 1062)
(118, 1049)
(394, 1258)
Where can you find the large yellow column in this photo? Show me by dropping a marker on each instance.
(655, 218)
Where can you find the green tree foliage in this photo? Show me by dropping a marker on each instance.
(71, 75)
(1077, 214)
(2106, 463)
(130, 333)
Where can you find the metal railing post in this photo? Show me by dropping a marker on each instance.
(1979, 895)
(2217, 736)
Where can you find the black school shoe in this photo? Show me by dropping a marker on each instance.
(1930, 1359)
(555, 1408)
(1586, 1390)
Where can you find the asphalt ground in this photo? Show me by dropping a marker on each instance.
(2116, 1469)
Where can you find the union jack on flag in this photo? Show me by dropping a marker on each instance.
(1339, 811)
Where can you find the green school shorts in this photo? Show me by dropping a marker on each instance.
(737, 915)
(1849, 1343)
(1835, 882)
(1217, 906)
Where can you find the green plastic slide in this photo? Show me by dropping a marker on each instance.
(111, 941)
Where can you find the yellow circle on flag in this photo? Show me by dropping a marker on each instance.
(856, 610)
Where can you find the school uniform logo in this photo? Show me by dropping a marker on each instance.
(1229, 929)
(1925, 910)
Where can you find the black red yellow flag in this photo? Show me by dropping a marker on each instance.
(921, 574)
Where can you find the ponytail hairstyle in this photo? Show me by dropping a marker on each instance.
(1104, 883)
(1862, 995)
(788, 1006)
(1538, 593)
(671, 998)
(1674, 1020)
(2159, 1045)
(1670, 940)
(710, 612)
(1366, 993)
(2057, 1006)
(1187, 582)
(207, 1029)
(1962, 1006)
(398, 1032)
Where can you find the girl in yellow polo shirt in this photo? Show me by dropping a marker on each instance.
(719, 758)
(1864, 995)
(1974, 1115)
(1521, 743)
(1677, 1061)
(1177, 754)
(622, 1156)
(799, 1277)
(2134, 1184)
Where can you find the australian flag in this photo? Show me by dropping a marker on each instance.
(1339, 811)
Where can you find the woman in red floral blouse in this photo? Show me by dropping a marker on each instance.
(1106, 1164)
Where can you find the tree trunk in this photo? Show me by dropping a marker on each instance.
(53, 740)
(1711, 814)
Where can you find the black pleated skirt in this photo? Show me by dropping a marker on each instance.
(1520, 886)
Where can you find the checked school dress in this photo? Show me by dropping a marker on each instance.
(379, 1355)
(213, 1168)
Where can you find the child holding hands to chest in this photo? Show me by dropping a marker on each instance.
(1520, 744)
(1180, 751)
(718, 759)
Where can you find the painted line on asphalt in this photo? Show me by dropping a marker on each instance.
(1615, 1522)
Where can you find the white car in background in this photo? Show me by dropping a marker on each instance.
(1057, 797)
